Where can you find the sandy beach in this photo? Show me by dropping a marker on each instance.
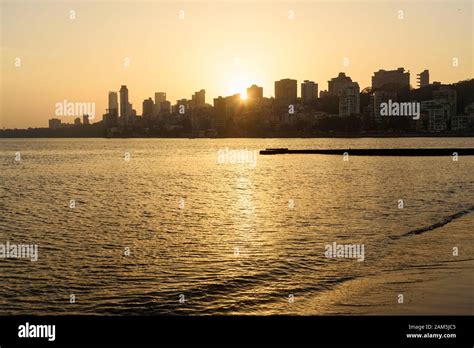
(436, 289)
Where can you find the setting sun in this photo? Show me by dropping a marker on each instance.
(238, 84)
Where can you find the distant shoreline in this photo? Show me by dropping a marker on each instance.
(276, 136)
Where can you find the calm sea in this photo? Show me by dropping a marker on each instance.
(160, 226)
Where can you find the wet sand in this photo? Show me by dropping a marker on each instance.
(444, 288)
(447, 292)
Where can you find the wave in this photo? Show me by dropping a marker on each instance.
(436, 225)
(225, 297)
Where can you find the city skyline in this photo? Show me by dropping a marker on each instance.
(125, 106)
(433, 107)
(255, 44)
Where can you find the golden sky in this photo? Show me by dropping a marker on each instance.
(218, 46)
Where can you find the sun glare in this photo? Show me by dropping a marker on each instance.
(237, 83)
(239, 86)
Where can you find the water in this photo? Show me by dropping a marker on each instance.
(226, 238)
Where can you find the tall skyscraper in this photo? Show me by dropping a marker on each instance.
(286, 91)
(423, 78)
(391, 79)
(254, 94)
(160, 97)
(309, 91)
(125, 106)
(219, 119)
(113, 104)
(111, 117)
(113, 100)
(148, 107)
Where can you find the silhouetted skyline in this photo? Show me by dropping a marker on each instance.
(389, 106)
(220, 47)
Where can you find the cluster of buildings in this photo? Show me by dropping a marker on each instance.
(56, 123)
(343, 99)
(439, 113)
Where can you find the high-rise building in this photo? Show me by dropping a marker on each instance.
(111, 117)
(85, 119)
(131, 112)
(391, 79)
(337, 84)
(220, 113)
(376, 99)
(226, 108)
(286, 91)
(165, 107)
(233, 104)
(254, 94)
(349, 100)
(198, 100)
(125, 107)
(113, 103)
(160, 97)
(181, 106)
(148, 107)
(423, 78)
(309, 91)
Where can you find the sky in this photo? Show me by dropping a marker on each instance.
(49, 54)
